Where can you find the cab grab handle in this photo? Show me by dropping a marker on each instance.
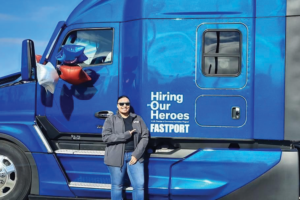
(103, 114)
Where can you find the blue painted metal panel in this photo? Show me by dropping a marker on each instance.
(117, 11)
(72, 107)
(270, 8)
(157, 171)
(217, 110)
(96, 193)
(52, 180)
(269, 78)
(83, 168)
(18, 103)
(163, 90)
(18, 114)
(131, 62)
(25, 133)
(41, 100)
(87, 169)
(91, 169)
(213, 173)
(208, 173)
(93, 193)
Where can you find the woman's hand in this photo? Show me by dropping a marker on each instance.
(131, 131)
(133, 160)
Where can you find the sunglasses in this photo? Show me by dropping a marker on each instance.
(122, 104)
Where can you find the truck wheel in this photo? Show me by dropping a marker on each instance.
(15, 172)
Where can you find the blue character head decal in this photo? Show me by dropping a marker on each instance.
(71, 54)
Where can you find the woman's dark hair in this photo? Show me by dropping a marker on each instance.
(120, 97)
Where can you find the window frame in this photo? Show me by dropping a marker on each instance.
(204, 55)
(89, 29)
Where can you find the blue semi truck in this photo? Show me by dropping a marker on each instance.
(216, 82)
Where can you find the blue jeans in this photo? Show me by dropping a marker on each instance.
(136, 176)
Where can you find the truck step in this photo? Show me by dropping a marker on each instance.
(102, 186)
(80, 152)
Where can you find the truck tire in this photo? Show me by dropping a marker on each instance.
(15, 172)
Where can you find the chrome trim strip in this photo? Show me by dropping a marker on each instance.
(181, 153)
(89, 152)
(80, 152)
(41, 135)
(65, 151)
(94, 185)
(196, 60)
(164, 150)
(221, 96)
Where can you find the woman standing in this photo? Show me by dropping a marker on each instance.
(126, 136)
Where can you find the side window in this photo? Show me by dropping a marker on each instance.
(98, 45)
(221, 54)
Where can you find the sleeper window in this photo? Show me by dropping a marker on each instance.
(221, 53)
(98, 45)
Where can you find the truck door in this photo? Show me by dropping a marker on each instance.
(199, 87)
(70, 122)
(222, 73)
(72, 108)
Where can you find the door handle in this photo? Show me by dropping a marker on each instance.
(235, 112)
(103, 114)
